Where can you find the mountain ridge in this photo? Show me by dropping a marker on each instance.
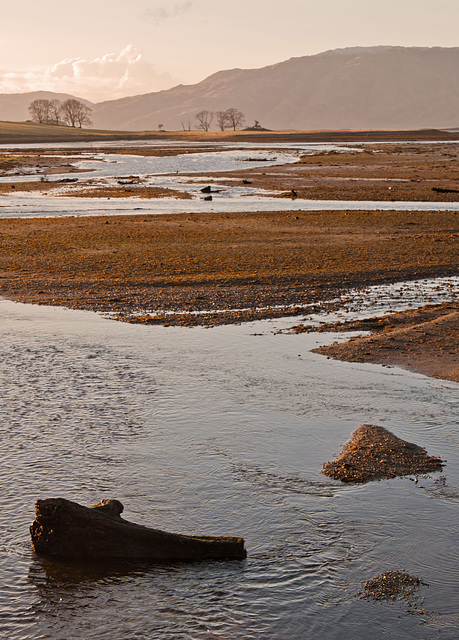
(382, 87)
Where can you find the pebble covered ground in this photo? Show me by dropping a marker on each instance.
(374, 453)
(208, 269)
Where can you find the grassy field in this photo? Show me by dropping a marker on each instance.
(31, 132)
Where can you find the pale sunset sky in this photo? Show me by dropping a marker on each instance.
(107, 49)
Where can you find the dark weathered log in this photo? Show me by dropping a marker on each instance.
(66, 529)
(444, 190)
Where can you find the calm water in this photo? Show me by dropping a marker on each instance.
(220, 431)
(32, 206)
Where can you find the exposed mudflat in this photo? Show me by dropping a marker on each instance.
(264, 264)
(219, 268)
(400, 171)
(425, 340)
(395, 172)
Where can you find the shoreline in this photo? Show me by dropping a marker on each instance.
(32, 133)
(201, 270)
(150, 264)
(205, 269)
(424, 340)
(376, 172)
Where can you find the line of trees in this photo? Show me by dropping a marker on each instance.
(229, 119)
(71, 112)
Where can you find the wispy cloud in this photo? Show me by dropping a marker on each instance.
(113, 75)
(169, 11)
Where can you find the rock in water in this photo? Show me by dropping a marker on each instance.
(66, 529)
(391, 585)
(374, 453)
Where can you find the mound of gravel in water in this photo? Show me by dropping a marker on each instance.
(390, 585)
(374, 453)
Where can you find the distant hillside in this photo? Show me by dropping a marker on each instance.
(357, 88)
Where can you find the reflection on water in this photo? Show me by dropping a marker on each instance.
(378, 300)
(217, 432)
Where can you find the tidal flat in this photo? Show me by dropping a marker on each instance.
(206, 269)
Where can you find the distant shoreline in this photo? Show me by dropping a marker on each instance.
(32, 133)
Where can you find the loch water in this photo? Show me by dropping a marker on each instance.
(219, 431)
(182, 172)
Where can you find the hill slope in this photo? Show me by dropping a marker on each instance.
(359, 88)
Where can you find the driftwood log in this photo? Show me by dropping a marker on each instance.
(66, 529)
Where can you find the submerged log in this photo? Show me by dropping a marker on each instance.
(66, 529)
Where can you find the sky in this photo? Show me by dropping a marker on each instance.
(107, 49)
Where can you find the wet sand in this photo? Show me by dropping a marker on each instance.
(207, 269)
(397, 172)
(394, 585)
(424, 340)
(203, 269)
(92, 189)
(142, 266)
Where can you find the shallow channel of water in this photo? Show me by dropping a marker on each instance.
(220, 431)
(167, 171)
(32, 206)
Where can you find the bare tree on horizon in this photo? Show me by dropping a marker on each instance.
(55, 110)
(75, 113)
(204, 119)
(235, 118)
(72, 112)
(40, 110)
(222, 119)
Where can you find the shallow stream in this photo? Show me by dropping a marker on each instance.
(221, 431)
(180, 172)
